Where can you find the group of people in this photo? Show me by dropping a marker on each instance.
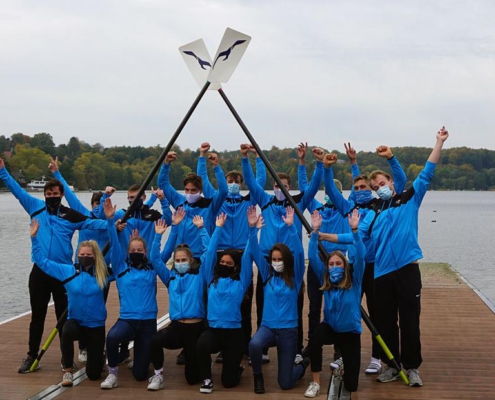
(361, 245)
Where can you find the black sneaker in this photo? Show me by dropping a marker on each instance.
(26, 365)
(219, 359)
(207, 386)
(259, 384)
(181, 359)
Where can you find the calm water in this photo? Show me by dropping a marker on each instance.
(455, 227)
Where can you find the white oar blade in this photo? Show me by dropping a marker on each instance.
(199, 62)
(229, 54)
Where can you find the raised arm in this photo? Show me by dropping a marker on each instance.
(160, 267)
(338, 200)
(174, 197)
(398, 174)
(260, 169)
(313, 251)
(315, 183)
(177, 218)
(302, 173)
(296, 244)
(117, 254)
(201, 170)
(442, 136)
(223, 189)
(257, 192)
(255, 223)
(210, 259)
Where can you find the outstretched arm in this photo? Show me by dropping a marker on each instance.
(442, 136)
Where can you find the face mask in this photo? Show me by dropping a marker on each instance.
(86, 261)
(328, 201)
(139, 204)
(278, 266)
(182, 268)
(53, 202)
(384, 192)
(234, 188)
(336, 274)
(224, 271)
(192, 197)
(278, 194)
(137, 259)
(364, 196)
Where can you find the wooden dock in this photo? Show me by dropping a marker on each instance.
(458, 350)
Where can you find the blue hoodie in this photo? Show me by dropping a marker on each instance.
(280, 300)
(342, 307)
(57, 226)
(86, 301)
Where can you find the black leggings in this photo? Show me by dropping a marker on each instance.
(231, 343)
(350, 347)
(176, 336)
(95, 343)
(41, 287)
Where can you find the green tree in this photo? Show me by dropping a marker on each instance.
(44, 142)
(32, 162)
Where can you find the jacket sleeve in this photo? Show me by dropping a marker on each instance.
(359, 260)
(314, 259)
(166, 211)
(260, 172)
(117, 255)
(257, 192)
(314, 185)
(298, 252)
(209, 259)
(398, 175)
(58, 271)
(222, 191)
(71, 197)
(340, 203)
(246, 274)
(174, 197)
(354, 172)
(302, 177)
(160, 267)
(170, 245)
(208, 189)
(256, 255)
(30, 203)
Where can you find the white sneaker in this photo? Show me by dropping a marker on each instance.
(374, 368)
(337, 363)
(83, 356)
(414, 378)
(313, 390)
(111, 382)
(298, 359)
(155, 382)
(67, 380)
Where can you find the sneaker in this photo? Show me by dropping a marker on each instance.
(219, 359)
(388, 375)
(26, 365)
(414, 378)
(207, 386)
(313, 390)
(374, 368)
(265, 359)
(67, 380)
(259, 383)
(83, 356)
(336, 364)
(298, 359)
(111, 382)
(155, 382)
(181, 358)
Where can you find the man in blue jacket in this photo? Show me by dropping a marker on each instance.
(393, 229)
(57, 225)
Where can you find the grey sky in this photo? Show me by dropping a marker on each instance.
(369, 72)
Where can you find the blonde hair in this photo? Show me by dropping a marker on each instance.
(346, 282)
(101, 271)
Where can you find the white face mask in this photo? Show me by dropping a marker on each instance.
(192, 197)
(384, 192)
(278, 266)
(278, 194)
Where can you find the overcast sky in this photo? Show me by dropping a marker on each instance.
(370, 72)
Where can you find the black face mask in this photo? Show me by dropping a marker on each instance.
(53, 202)
(137, 259)
(86, 261)
(224, 271)
(139, 204)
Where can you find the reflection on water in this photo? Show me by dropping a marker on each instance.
(455, 227)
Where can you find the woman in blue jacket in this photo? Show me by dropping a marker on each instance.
(282, 278)
(341, 286)
(227, 279)
(84, 283)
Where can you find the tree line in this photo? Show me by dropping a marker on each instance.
(94, 166)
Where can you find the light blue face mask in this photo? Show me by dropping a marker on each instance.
(328, 201)
(336, 274)
(384, 192)
(234, 188)
(182, 268)
(363, 196)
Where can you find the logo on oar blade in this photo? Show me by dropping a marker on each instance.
(201, 62)
(227, 52)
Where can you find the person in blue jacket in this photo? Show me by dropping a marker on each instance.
(193, 202)
(362, 199)
(234, 234)
(57, 226)
(228, 278)
(136, 283)
(84, 282)
(393, 230)
(341, 287)
(282, 278)
(186, 284)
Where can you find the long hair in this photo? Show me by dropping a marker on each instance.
(101, 271)
(288, 273)
(236, 256)
(346, 282)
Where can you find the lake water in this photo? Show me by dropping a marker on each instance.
(455, 227)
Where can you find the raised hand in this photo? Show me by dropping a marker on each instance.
(318, 153)
(160, 226)
(384, 151)
(443, 134)
(316, 220)
(354, 219)
(33, 227)
(170, 157)
(198, 221)
(158, 193)
(289, 216)
(302, 149)
(109, 190)
(245, 147)
(179, 215)
(252, 217)
(221, 218)
(120, 225)
(134, 234)
(329, 159)
(213, 159)
(203, 149)
(351, 152)
(109, 209)
(53, 165)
